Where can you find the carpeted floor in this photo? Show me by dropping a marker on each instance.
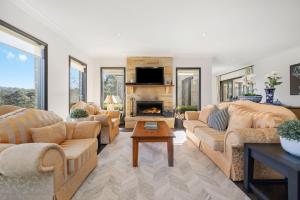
(193, 176)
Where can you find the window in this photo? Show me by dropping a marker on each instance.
(231, 89)
(78, 81)
(188, 90)
(113, 83)
(23, 69)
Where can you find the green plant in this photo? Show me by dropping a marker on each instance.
(251, 94)
(186, 108)
(272, 80)
(290, 130)
(78, 113)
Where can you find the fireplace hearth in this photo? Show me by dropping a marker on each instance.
(149, 108)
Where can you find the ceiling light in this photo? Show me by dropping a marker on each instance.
(203, 34)
(119, 35)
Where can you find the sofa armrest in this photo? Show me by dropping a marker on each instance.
(238, 137)
(40, 157)
(104, 119)
(192, 115)
(86, 129)
(4, 146)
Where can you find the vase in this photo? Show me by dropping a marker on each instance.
(270, 95)
(291, 146)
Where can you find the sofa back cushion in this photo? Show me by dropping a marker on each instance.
(15, 126)
(205, 112)
(4, 109)
(260, 119)
(239, 121)
(218, 119)
(55, 133)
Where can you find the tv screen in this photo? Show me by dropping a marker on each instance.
(150, 75)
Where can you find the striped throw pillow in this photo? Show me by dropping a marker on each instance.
(218, 119)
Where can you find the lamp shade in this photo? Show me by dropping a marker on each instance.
(110, 99)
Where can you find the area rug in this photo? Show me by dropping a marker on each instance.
(193, 177)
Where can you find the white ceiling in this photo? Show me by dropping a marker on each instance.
(232, 32)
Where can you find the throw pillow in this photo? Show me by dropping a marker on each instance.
(205, 112)
(218, 119)
(239, 121)
(83, 128)
(55, 133)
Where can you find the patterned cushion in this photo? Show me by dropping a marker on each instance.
(15, 128)
(78, 152)
(55, 133)
(218, 119)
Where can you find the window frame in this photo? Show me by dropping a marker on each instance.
(101, 86)
(85, 81)
(45, 56)
(189, 68)
(221, 92)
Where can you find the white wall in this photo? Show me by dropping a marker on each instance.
(204, 63)
(58, 51)
(280, 62)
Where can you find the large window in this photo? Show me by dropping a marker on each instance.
(78, 80)
(113, 84)
(188, 90)
(23, 69)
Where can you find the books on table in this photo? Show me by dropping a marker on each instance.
(151, 125)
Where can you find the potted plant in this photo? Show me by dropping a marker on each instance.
(179, 114)
(289, 132)
(272, 80)
(79, 115)
(248, 83)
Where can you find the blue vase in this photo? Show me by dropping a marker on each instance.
(270, 95)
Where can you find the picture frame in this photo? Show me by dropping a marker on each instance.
(295, 79)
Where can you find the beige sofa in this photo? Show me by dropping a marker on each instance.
(225, 148)
(31, 170)
(110, 120)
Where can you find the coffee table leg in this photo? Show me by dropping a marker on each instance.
(135, 152)
(170, 153)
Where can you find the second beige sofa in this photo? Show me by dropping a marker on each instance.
(225, 148)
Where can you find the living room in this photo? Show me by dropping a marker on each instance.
(149, 100)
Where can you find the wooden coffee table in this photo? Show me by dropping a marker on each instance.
(162, 134)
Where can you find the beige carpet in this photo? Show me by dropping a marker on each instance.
(193, 176)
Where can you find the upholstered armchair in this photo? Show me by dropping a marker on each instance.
(36, 162)
(110, 120)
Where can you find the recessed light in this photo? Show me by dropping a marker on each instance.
(203, 34)
(119, 35)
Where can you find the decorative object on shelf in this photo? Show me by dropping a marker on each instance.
(272, 80)
(79, 115)
(110, 100)
(132, 99)
(179, 114)
(295, 79)
(248, 85)
(289, 132)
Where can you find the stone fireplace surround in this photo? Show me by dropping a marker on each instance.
(149, 93)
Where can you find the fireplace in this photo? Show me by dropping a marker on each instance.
(149, 108)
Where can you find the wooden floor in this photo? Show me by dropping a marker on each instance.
(193, 176)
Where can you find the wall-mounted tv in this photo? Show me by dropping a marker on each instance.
(150, 75)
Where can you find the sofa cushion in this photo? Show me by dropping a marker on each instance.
(55, 133)
(218, 119)
(84, 128)
(192, 124)
(15, 128)
(239, 121)
(78, 152)
(212, 137)
(205, 112)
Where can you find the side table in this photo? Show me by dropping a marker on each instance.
(273, 156)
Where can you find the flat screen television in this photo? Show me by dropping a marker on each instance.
(150, 75)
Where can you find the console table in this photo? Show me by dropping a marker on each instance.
(273, 156)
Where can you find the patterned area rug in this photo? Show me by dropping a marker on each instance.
(193, 177)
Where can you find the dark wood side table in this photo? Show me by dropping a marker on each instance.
(273, 156)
